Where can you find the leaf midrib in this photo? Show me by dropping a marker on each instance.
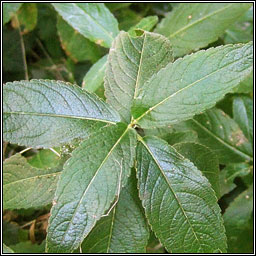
(236, 150)
(94, 176)
(167, 181)
(184, 88)
(199, 20)
(58, 115)
(139, 69)
(31, 178)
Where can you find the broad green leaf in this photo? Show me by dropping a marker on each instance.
(161, 132)
(45, 158)
(246, 86)
(191, 85)
(242, 30)
(9, 9)
(220, 133)
(205, 161)
(25, 186)
(191, 26)
(238, 223)
(28, 248)
(76, 46)
(92, 20)
(27, 17)
(178, 137)
(131, 62)
(228, 175)
(124, 230)
(146, 24)
(7, 249)
(179, 202)
(50, 113)
(94, 78)
(243, 115)
(88, 185)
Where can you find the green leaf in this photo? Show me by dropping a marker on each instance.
(50, 113)
(94, 78)
(131, 62)
(242, 30)
(7, 249)
(238, 224)
(25, 186)
(125, 230)
(243, 115)
(92, 20)
(146, 24)
(179, 202)
(191, 85)
(89, 184)
(191, 26)
(246, 86)
(220, 133)
(178, 137)
(28, 247)
(228, 175)
(27, 17)
(76, 46)
(45, 158)
(205, 161)
(9, 9)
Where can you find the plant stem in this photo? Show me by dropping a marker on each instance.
(22, 49)
(58, 74)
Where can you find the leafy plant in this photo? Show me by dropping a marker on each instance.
(138, 145)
